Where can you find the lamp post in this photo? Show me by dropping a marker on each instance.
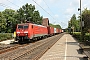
(81, 22)
(81, 18)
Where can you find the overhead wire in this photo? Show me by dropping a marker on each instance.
(63, 24)
(37, 4)
(4, 5)
(48, 7)
(12, 3)
(51, 11)
(43, 9)
(46, 11)
(21, 1)
(40, 7)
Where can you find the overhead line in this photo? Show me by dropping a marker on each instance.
(1, 4)
(49, 9)
(43, 8)
(21, 1)
(47, 6)
(52, 12)
(12, 3)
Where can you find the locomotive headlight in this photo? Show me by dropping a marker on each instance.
(25, 32)
(18, 32)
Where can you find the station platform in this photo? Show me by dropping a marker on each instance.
(7, 41)
(66, 48)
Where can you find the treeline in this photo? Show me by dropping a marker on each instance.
(55, 26)
(9, 18)
(86, 19)
(74, 24)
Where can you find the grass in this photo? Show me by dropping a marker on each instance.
(86, 39)
(5, 36)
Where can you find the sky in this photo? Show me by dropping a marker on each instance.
(57, 11)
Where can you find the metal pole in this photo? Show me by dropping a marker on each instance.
(81, 21)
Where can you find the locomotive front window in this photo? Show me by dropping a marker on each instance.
(25, 26)
(20, 26)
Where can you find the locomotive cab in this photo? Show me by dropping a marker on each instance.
(22, 32)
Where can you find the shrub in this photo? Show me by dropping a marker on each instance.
(77, 35)
(86, 40)
(5, 36)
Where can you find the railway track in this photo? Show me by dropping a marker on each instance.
(10, 47)
(4, 46)
(32, 51)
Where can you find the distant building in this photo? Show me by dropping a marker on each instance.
(45, 22)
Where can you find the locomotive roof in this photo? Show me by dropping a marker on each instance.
(32, 24)
(39, 25)
(24, 23)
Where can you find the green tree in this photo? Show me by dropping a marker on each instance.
(2, 23)
(86, 19)
(36, 18)
(27, 12)
(55, 26)
(10, 16)
(74, 24)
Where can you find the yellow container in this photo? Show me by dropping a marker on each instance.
(14, 34)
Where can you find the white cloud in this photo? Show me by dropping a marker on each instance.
(69, 11)
(74, 3)
(56, 16)
(3, 1)
(85, 4)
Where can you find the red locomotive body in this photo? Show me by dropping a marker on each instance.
(30, 31)
(39, 30)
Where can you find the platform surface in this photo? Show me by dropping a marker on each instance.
(66, 48)
(7, 41)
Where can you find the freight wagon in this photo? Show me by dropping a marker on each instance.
(50, 31)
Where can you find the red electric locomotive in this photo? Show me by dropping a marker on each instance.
(29, 31)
